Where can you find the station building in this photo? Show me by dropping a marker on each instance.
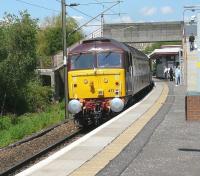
(168, 56)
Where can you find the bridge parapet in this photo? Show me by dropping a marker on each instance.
(144, 32)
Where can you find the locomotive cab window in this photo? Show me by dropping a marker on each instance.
(82, 61)
(109, 59)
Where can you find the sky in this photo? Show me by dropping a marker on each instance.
(130, 10)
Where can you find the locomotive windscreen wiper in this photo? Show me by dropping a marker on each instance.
(107, 55)
(78, 57)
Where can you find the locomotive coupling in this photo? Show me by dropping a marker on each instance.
(116, 104)
(74, 106)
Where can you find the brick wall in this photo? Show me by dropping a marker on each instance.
(192, 107)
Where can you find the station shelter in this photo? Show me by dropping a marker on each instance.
(168, 56)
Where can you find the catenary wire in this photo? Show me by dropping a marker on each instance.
(90, 3)
(82, 13)
(36, 5)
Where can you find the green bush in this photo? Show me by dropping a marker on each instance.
(29, 123)
(37, 96)
(17, 60)
(5, 122)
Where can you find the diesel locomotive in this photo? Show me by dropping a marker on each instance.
(103, 75)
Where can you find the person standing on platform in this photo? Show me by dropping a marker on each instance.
(191, 40)
(168, 75)
(165, 72)
(171, 74)
(177, 75)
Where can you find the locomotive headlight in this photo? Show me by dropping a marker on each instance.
(116, 105)
(74, 106)
(85, 81)
(105, 80)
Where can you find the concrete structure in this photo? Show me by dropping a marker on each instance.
(54, 76)
(193, 63)
(198, 31)
(193, 77)
(141, 35)
(193, 68)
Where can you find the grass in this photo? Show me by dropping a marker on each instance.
(14, 128)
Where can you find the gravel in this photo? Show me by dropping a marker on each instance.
(11, 156)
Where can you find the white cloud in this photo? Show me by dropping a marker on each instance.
(122, 19)
(126, 19)
(148, 11)
(92, 27)
(79, 19)
(166, 10)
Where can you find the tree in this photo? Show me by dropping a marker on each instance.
(3, 46)
(50, 36)
(19, 60)
(157, 45)
(22, 42)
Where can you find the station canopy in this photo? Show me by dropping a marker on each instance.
(166, 51)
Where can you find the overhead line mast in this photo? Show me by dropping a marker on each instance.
(63, 5)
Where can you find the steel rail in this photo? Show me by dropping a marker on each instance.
(25, 162)
(139, 96)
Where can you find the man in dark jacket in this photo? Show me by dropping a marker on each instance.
(171, 74)
(191, 40)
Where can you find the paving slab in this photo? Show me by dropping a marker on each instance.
(167, 146)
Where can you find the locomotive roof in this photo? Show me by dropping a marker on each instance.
(107, 44)
(97, 43)
(136, 52)
(112, 41)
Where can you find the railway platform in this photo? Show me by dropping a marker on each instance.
(167, 146)
(150, 138)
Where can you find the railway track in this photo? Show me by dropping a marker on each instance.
(35, 157)
(26, 162)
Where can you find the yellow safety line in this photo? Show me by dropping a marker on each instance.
(93, 166)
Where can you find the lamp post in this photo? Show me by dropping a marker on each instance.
(63, 6)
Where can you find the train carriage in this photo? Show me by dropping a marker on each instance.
(103, 74)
